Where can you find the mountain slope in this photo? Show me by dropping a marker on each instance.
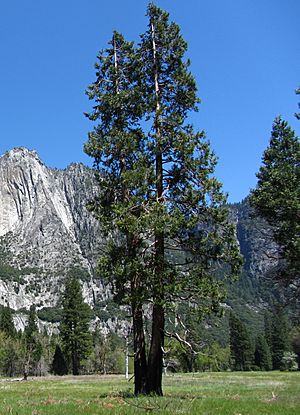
(45, 230)
(47, 233)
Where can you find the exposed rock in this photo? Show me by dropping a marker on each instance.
(45, 230)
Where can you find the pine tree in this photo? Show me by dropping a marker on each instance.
(277, 199)
(117, 145)
(262, 354)
(187, 212)
(280, 342)
(159, 199)
(74, 326)
(6, 322)
(241, 348)
(59, 365)
(33, 345)
(268, 328)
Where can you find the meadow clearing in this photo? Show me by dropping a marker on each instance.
(234, 393)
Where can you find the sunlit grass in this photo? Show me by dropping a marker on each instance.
(241, 393)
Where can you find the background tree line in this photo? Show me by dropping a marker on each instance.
(275, 346)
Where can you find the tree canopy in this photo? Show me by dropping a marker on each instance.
(164, 210)
(277, 199)
(74, 326)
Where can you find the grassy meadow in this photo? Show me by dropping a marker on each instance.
(239, 393)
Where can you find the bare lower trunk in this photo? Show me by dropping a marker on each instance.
(140, 363)
(155, 359)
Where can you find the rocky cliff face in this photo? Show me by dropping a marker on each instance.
(45, 231)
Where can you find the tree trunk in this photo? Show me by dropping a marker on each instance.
(139, 347)
(155, 359)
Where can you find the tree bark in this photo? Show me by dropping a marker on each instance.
(139, 347)
(155, 358)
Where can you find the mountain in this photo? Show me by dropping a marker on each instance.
(46, 231)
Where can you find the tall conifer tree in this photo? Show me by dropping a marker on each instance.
(7, 323)
(241, 348)
(117, 145)
(188, 214)
(262, 354)
(33, 345)
(277, 199)
(158, 193)
(74, 326)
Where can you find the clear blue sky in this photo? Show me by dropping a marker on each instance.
(244, 54)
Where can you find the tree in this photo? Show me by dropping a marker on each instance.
(268, 328)
(187, 214)
(59, 365)
(74, 326)
(11, 355)
(277, 200)
(289, 362)
(33, 347)
(117, 145)
(164, 209)
(280, 340)
(295, 341)
(241, 348)
(262, 354)
(6, 322)
(276, 335)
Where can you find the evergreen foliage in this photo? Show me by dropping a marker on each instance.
(241, 347)
(277, 199)
(59, 365)
(280, 341)
(6, 322)
(33, 346)
(157, 190)
(74, 326)
(11, 355)
(262, 355)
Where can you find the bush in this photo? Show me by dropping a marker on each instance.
(289, 362)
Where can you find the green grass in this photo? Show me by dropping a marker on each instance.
(251, 393)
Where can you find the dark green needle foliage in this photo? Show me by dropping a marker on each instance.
(117, 145)
(74, 326)
(241, 348)
(262, 355)
(277, 199)
(33, 346)
(280, 339)
(59, 365)
(6, 322)
(158, 198)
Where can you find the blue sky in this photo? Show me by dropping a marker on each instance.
(244, 54)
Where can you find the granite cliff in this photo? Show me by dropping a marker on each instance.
(45, 231)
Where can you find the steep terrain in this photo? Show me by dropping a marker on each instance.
(45, 231)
